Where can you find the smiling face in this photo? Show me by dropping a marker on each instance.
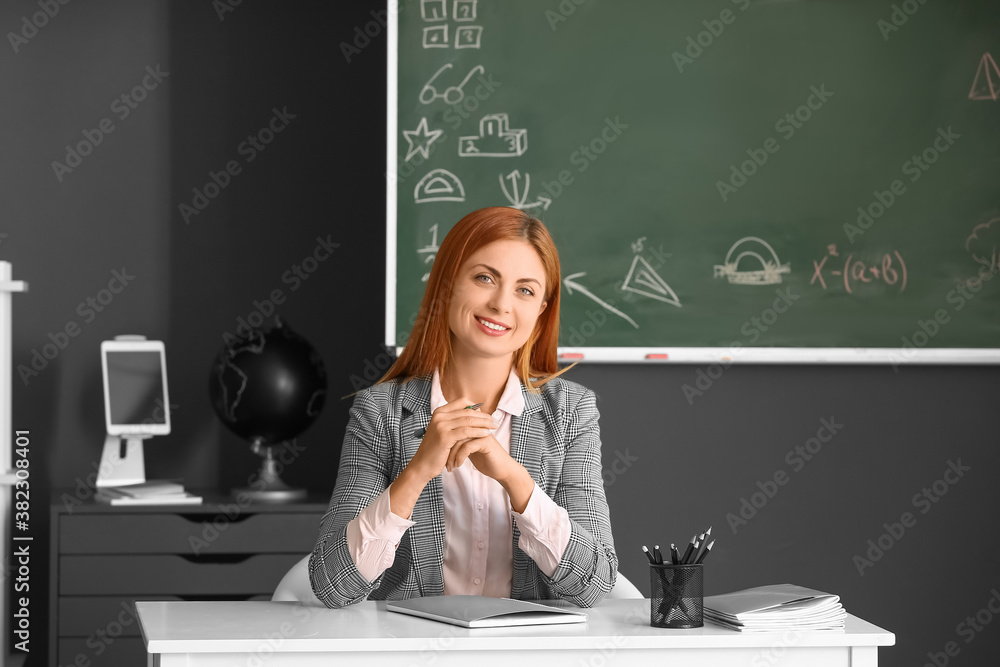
(499, 294)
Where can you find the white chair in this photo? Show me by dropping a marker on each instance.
(295, 587)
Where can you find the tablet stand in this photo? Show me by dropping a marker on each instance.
(118, 469)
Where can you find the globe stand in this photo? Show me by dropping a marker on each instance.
(270, 488)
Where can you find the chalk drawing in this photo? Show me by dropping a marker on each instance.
(516, 197)
(438, 185)
(495, 139)
(986, 85)
(887, 270)
(980, 245)
(468, 36)
(465, 10)
(436, 37)
(572, 285)
(758, 253)
(434, 10)
(429, 251)
(420, 140)
(451, 94)
(643, 279)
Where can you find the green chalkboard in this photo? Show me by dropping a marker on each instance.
(729, 174)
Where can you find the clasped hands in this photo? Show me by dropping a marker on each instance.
(455, 434)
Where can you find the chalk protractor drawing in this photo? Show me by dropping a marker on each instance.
(760, 264)
(643, 279)
(986, 85)
(438, 185)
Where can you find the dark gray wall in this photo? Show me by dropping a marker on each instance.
(688, 465)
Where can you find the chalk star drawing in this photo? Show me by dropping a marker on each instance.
(752, 247)
(438, 185)
(420, 140)
(986, 85)
(652, 285)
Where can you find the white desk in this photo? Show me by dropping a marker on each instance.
(279, 634)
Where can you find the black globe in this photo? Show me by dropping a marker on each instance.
(269, 386)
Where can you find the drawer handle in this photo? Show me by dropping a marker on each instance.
(216, 558)
(220, 516)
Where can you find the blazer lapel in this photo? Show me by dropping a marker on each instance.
(527, 431)
(428, 513)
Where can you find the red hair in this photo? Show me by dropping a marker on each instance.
(429, 345)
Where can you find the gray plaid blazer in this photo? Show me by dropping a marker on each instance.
(556, 438)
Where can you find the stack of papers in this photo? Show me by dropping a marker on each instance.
(776, 607)
(153, 492)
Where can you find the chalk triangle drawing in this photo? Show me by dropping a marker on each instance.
(641, 273)
(986, 85)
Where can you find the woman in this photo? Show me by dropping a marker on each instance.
(437, 496)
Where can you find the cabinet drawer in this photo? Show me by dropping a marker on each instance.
(172, 575)
(188, 533)
(120, 652)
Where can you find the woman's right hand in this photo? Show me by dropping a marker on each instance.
(450, 425)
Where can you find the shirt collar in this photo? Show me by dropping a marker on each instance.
(511, 401)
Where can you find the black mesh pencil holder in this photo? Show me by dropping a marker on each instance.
(676, 596)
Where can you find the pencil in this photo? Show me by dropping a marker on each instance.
(687, 552)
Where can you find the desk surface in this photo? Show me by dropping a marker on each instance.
(236, 627)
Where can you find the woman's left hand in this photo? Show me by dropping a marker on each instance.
(488, 455)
